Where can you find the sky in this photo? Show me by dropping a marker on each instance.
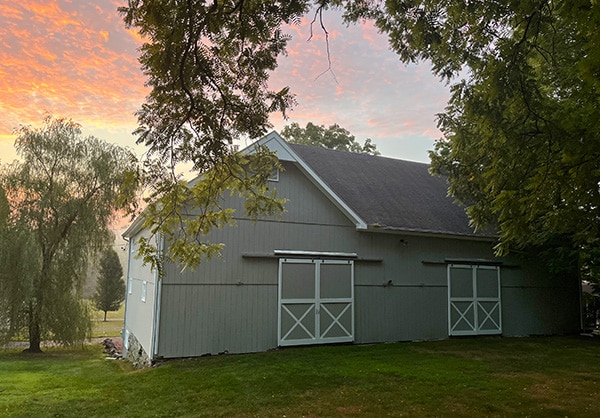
(76, 59)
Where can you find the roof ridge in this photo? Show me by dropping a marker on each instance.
(352, 153)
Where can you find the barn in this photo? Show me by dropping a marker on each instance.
(370, 249)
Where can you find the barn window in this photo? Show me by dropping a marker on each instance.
(274, 176)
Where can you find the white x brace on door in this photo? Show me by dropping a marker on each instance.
(474, 305)
(316, 301)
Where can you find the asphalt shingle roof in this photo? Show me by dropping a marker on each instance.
(389, 193)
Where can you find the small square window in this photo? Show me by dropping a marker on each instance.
(274, 176)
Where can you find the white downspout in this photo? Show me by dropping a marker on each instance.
(124, 332)
(157, 301)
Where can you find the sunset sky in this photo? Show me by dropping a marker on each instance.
(76, 59)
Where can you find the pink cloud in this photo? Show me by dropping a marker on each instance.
(370, 33)
(76, 59)
(61, 57)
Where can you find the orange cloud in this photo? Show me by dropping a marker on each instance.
(77, 59)
(10, 11)
(69, 58)
(135, 34)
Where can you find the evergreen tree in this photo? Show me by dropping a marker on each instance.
(110, 287)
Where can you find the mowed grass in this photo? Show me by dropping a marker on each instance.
(554, 376)
(113, 325)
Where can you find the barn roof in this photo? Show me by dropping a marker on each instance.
(387, 193)
(376, 193)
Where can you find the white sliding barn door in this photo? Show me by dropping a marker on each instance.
(316, 301)
(474, 305)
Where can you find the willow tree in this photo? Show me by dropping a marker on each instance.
(521, 135)
(15, 266)
(61, 195)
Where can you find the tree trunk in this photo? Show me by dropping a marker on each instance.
(105, 315)
(35, 337)
(37, 304)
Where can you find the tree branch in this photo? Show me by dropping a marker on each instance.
(319, 14)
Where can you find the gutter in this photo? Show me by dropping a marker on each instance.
(427, 233)
(135, 227)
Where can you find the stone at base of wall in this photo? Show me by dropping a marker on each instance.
(136, 354)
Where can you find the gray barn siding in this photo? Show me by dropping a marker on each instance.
(540, 310)
(232, 268)
(139, 315)
(306, 204)
(536, 302)
(400, 313)
(230, 304)
(415, 305)
(217, 314)
(217, 318)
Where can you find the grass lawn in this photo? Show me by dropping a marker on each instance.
(113, 325)
(557, 376)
